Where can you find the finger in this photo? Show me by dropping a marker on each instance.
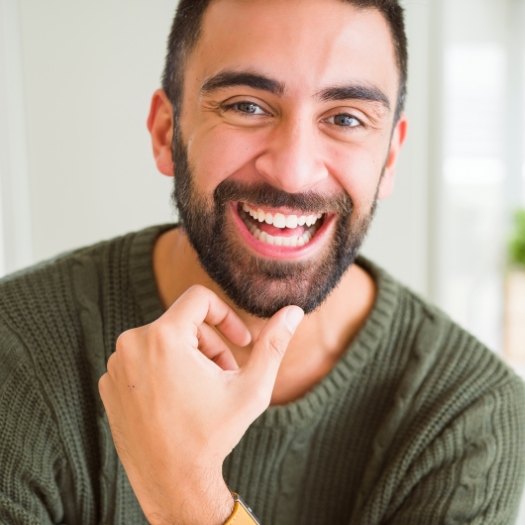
(107, 392)
(110, 365)
(270, 347)
(103, 385)
(199, 305)
(214, 348)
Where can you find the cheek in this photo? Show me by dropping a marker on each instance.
(220, 154)
(358, 171)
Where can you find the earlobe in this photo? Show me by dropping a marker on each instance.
(160, 126)
(398, 138)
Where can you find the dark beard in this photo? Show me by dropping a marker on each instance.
(259, 286)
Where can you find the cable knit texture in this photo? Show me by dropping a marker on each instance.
(417, 424)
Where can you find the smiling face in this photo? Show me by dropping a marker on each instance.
(284, 142)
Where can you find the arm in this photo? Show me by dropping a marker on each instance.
(30, 448)
(178, 404)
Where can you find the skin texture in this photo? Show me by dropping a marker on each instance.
(178, 395)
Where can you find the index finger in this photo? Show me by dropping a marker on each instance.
(198, 305)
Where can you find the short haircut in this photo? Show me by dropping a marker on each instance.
(187, 26)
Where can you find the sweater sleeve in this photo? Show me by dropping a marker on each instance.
(31, 462)
(473, 472)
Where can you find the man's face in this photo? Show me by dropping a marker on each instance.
(284, 144)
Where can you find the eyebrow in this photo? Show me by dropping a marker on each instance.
(234, 78)
(354, 92)
(226, 79)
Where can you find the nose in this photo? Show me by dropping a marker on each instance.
(292, 159)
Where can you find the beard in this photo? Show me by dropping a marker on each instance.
(260, 286)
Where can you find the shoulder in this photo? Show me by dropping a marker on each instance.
(454, 417)
(427, 342)
(437, 372)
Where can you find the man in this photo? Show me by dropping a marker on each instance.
(281, 121)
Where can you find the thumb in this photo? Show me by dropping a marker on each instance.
(270, 347)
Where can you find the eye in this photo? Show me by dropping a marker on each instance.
(344, 120)
(248, 108)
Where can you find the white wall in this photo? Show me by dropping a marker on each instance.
(89, 70)
(15, 215)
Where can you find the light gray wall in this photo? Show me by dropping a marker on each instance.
(15, 213)
(88, 72)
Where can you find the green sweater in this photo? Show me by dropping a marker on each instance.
(417, 424)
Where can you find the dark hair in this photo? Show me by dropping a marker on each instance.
(187, 24)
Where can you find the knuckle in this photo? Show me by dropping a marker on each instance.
(124, 340)
(102, 384)
(125, 349)
(159, 333)
(261, 398)
(111, 363)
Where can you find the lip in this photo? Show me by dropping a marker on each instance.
(287, 253)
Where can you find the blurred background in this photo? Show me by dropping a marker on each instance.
(76, 167)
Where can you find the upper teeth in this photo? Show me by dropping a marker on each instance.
(279, 220)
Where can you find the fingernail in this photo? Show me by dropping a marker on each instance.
(294, 315)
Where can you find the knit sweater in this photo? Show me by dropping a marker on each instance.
(418, 423)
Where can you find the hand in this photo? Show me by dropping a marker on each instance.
(177, 403)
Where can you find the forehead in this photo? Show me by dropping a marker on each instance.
(305, 44)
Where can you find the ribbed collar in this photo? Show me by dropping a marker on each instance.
(360, 350)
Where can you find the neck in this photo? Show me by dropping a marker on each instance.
(320, 340)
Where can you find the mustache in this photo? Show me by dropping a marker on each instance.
(263, 194)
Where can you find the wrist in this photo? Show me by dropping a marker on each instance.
(242, 514)
(209, 503)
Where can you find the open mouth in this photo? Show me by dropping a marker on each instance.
(286, 230)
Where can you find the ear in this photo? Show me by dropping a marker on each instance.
(160, 126)
(386, 185)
